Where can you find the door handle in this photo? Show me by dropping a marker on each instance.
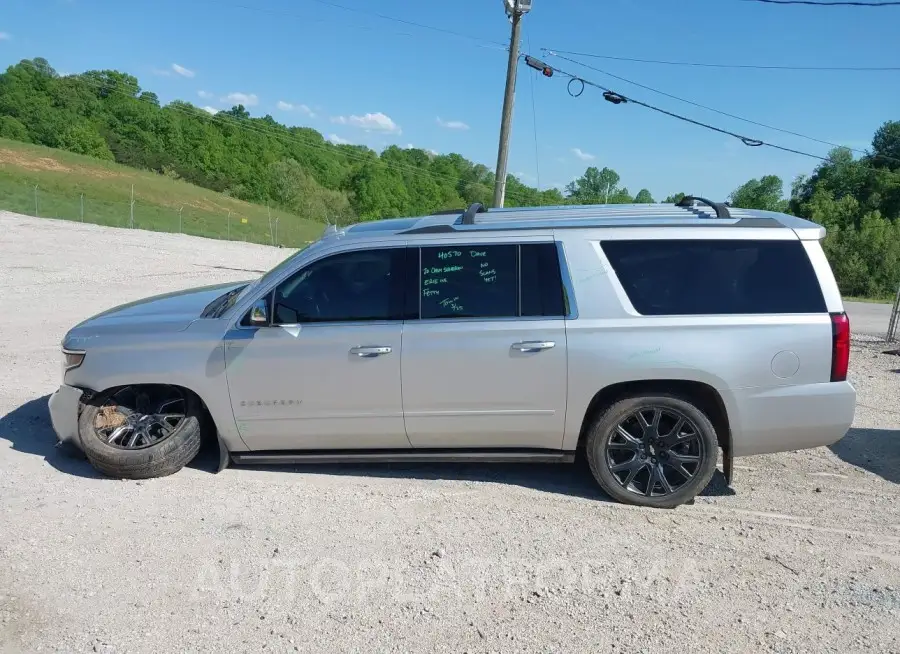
(370, 350)
(533, 346)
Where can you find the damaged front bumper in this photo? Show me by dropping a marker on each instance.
(64, 409)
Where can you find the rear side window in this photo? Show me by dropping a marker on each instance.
(693, 277)
(491, 281)
(470, 281)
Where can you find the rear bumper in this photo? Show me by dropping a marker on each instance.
(789, 418)
(64, 414)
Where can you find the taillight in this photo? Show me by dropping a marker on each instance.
(840, 346)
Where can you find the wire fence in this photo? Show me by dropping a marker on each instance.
(894, 322)
(199, 217)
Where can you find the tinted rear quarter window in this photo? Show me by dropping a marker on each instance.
(542, 287)
(694, 277)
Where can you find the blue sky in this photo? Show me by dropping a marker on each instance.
(368, 80)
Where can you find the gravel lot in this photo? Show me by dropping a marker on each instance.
(802, 555)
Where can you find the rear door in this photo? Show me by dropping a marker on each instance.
(485, 365)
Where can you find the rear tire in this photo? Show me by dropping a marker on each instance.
(626, 454)
(146, 459)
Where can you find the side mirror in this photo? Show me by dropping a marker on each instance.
(259, 313)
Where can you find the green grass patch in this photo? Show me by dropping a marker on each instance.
(40, 181)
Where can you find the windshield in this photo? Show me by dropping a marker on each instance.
(273, 273)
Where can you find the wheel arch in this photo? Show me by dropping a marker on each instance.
(706, 398)
(212, 430)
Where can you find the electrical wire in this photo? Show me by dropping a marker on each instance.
(617, 98)
(827, 4)
(703, 106)
(730, 66)
(271, 133)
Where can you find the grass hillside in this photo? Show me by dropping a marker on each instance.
(160, 203)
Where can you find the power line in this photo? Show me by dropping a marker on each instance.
(617, 98)
(703, 106)
(742, 66)
(827, 4)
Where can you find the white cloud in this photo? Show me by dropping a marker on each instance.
(161, 72)
(377, 122)
(432, 152)
(5, 36)
(246, 99)
(206, 95)
(451, 124)
(337, 140)
(584, 156)
(181, 70)
(210, 110)
(302, 108)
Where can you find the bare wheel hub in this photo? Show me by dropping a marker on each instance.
(137, 418)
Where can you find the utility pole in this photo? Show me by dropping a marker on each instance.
(515, 9)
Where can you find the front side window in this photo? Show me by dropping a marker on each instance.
(694, 277)
(358, 286)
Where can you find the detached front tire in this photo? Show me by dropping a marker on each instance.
(656, 450)
(139, 432)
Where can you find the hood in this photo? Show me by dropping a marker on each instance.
(160, 313)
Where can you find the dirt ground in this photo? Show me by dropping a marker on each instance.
(802, 554)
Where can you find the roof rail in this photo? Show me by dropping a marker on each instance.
(688, 201)
(447, 212)
(468, 218)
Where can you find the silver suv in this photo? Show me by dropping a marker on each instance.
(645, 338)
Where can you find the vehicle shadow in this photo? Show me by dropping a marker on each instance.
(574, 480)
(875, 450)
(29, 430)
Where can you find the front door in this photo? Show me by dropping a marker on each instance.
(486, 365)
(325, 374)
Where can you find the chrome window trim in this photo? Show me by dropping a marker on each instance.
(565, 275)
(568, 285)
(248, 302)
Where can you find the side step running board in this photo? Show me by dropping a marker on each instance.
(403, 456)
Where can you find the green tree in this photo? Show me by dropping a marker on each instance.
(886, 146)
(84, 138)
(643, 197)
(377, 192)
(764, 193)
(12, 128)
(594, 187)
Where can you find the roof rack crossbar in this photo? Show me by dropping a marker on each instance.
(468, 218)
(721, 209)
